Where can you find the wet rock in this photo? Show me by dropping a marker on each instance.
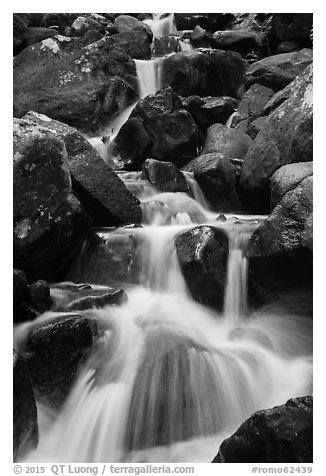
(53, 352)
(20, 286)
(251, 106)
(287, 47)
(241, 41)
(200, 37)
(217, 178)
(137, 44)
(89, 302)
(282, 434)
(202, 253)
(25, 427)
(165, 45)
(60, 78)
(280, 257)
(287, 178)
(278, 71)
(230, 72)
(292, 26)
(49, 223)
(40, 296)
(209, 21)
(229, 142)
(256, 126)
(165, 176)
(103, 195)
(127, 23)
(210, 110)
(286, 138)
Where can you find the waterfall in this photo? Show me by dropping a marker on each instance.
(195, 189)
(148, 76)
(161, 24)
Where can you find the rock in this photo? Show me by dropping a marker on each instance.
(251, 106)
(34, 35)
(53, 352)
(165, 176)
(165, 45)
(202, 253)
(240, 41)
(49, 223)
(285, 138)
(60, 20)
(91, 36)
(280, 258)
(40, 296)
(229, 142)
(89, 302)
(20, 23)
(217, 178)
(136, 44)
(216, 73)
(282, 434)
(209, 110)
(287, 47)
(67, 82)
(127, 23)
(292, 26)
(278, 71)
(20, 286)
(288, 177)
(103, 195)
(256, 126)
(200, 37)
(209, 21)
(254, 22)
(83, 24)
(25, 427)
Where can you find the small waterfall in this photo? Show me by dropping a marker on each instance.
(185, 45)
(161, 24)
(228, 123)
(148, 76)
(196, 190)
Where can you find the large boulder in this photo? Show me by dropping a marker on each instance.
(280, 249)
(204, 73)
(165, 176)
(127, 23)
(25, 428)
(229, 142)
(102, 193)
(285, 138)
(278, 71)
(241, 41)
(49, 223)
(53, 352)
(287, 178)
(174, 134)
(67, 82)
(217, 178)
(210, 110)
(209, 21)
(202, 253)
(29, 300)
(283, 434)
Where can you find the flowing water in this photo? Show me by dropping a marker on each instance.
(162, 24)
(169, 379)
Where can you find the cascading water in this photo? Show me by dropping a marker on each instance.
(161, 24)
(148, 76)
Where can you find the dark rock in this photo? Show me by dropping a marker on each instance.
(40, 296)
(209, 21)
(230, 73)
(136, 44)
(225, 141)
(84, 24)
(25, 428)
(91, 36)
(251, 105)
(103, 195)
(165, 176)
(282, 434)
(279, 251)
(292, 26)
(240, 41)
(285, 138)
(165, 45)
(60, 78)
(36, 34)
(208, 110)
(49, 223)
(127, 23)
(256, 126)
(278, 71)
(202, 254)
(254, 22)
(287, 178)
(119, 93)
(200, 37)
(287, 47)
(20, 24)
(53, 353)
(217, 178)
(20, 286)
(60, 20)
(88, 302)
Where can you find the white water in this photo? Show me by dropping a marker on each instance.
(148, 76)
(161, 25)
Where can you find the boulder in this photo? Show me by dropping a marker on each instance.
(256, 126)
(39, 293)
(202, 253)
(90, 299)
(165, 176)
(49, 223)
(204, 73)
(53, 352)
(127, 23)
(285, 138)
(287, 178)
(229, 142)
(200, 37)
(102, 193)
(25, 426)
(251, 106)
(210, 110)
(241, 41)
(254, 22)
(137, 44)
(278, 71)
(280, 257)
(287, 47)
(217, 178)
(282, 434)
(60, 78)
(209, 21)
(83, 24)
